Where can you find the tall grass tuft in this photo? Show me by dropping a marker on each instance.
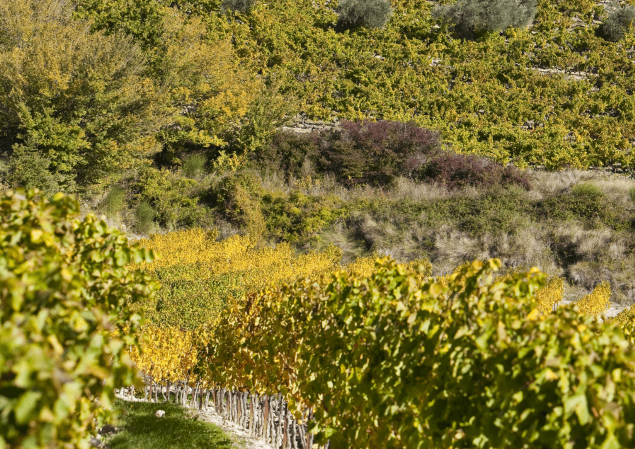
(144, 218)
(194, 165)
(114, 202)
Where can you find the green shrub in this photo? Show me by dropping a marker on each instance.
(369, 13)
(237, 197)
(585, 189)
(471, 16)
(265, 114)
(64, 292)
(175, 199)
(619, 19)
(298, 218)
(586, 203)
(631, 194)
(114, 202)
(242, 6)
(144, 218)
(194, 165)
(31, 169)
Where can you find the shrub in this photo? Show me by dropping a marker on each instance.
(369, 13)
(144, 218)
(459, 170)
(237, 197)
(631, 194)
(288, 152)
(64, 290)
(114, 202)
(194, 165)
(375, 153)
(176, 200)
(586, 203)
(242, 6)
(619, 19)
(31, 169)
(264, 115)
(297, 217)
(471, 16)
(585, 189)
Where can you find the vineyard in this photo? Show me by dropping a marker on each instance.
(261, 364)
(302, 351)
(428, 261)
(485, 96)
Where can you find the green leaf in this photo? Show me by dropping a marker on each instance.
(25, 406)
(577, 404)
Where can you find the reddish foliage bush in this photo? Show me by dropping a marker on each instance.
(459, 170)
(375, 153)
(372, 153)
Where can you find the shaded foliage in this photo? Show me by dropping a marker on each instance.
(375, 153)
(459, 170)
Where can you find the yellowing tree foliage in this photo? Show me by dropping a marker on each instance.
(79, 106)
(77, 101)
(211, 88)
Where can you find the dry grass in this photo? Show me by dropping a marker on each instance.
(616, 188)
(407, 189)
(525, 248)
(550, 183)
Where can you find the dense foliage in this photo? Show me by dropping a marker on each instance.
(458, 170)
(200, 274)
(485, 96)
(64, 292)
(619, 19)
(370, 13)
(80, 106)
(394, 358)
(359, 153)
(471, 16)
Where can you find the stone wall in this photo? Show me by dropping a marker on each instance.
(301, 124)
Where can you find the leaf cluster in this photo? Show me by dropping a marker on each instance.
(65, 296)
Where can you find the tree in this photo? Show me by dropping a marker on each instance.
(619, 20)
(470, 17)
(369, 13)
(242, 6)
(78, 101)
(66, 295)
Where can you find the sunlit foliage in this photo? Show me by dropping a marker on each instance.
(64, 292)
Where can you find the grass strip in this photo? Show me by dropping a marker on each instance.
(141, 429)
